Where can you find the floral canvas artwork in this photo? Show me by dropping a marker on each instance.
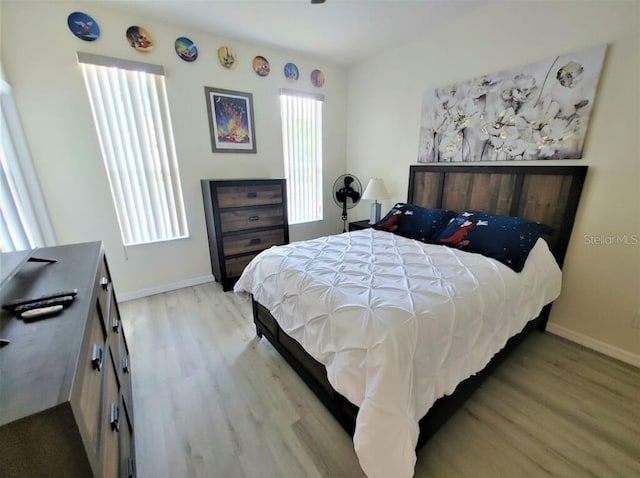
(538, 111)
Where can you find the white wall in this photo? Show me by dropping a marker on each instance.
(380, 102)
(39, 57)
(601, 289)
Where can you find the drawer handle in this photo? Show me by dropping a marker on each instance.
(115, 324)
(252, 194)
(125, 365)
(130, 468)
(104, 282)
(254, 218)
(115, 417)
(96, 357)
(255, 240)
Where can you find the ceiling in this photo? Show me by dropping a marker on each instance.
(344, 31)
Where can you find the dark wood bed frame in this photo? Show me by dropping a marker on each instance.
(548, 194)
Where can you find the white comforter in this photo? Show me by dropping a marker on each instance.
(397, 323)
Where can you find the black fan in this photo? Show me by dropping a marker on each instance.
(347, 191)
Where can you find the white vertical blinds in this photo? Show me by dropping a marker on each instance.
(15, 233)
(24, 222)
(131, 113)
(301, 115)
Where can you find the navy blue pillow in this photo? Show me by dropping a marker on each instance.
(415, 222)
(504, 238)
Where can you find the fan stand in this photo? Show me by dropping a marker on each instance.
(344, 220)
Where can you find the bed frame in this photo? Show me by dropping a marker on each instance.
(548, 194)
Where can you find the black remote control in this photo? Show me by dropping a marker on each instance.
(11, 305)
(63, 301)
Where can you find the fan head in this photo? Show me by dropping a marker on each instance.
(347, 191)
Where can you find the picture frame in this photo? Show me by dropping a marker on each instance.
(231, 122)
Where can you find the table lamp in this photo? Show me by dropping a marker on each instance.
(375, 190)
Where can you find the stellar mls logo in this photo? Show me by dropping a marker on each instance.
(612, 240)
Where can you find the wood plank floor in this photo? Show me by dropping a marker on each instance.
(212, 400)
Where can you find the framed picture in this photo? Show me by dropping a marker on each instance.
(231, 124)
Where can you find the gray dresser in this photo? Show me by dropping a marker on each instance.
(65, 381)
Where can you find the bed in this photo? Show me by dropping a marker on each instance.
(387, 427)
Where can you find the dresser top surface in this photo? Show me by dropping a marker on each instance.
(243, 180)
(38, 366)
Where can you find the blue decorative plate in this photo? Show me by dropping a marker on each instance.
(291, 71)
(186, 49)
(83, 26)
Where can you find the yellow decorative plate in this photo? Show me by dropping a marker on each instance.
(227, 57)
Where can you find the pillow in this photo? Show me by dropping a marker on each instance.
(415, 222)
(504, 238)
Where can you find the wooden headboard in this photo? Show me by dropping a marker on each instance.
(547, 194)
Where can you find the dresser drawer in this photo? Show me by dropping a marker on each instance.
(239, 219)
(127, 459)
(103, 288)
(236, 265)
(124, 367)
(252, 241)
(113, 326)
(88, 392)
(112, 417)
(250, 195)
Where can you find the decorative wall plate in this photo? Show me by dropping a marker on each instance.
(83, 26)
(139, 38)
(291, 71)
(261, 66)
(317, 78)
(186, 49)
(227, 57)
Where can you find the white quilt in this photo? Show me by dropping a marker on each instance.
(397, 323)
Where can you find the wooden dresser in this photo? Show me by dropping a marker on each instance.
(244, 217)
(65, 381)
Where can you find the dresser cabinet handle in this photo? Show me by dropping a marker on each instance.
(115, 324)
(254, 218)
(115, 416)
(96, 357)
(125, 365)
(130, 470)
(254, 241)
(252, 194)
(104, 282)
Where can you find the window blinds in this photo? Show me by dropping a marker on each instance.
(24, 222)
(301, 115)
(131, 114)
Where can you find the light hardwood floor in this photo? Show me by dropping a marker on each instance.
(212, 400)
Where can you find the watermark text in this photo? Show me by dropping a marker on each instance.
(611, 239)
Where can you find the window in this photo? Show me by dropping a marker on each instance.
(302, 145)
(131, 114)
(24, 222)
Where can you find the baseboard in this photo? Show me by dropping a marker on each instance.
(137, 294)
(598, 346)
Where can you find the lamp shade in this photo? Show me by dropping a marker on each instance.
(375, 190)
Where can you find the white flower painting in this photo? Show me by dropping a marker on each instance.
(538, 111)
